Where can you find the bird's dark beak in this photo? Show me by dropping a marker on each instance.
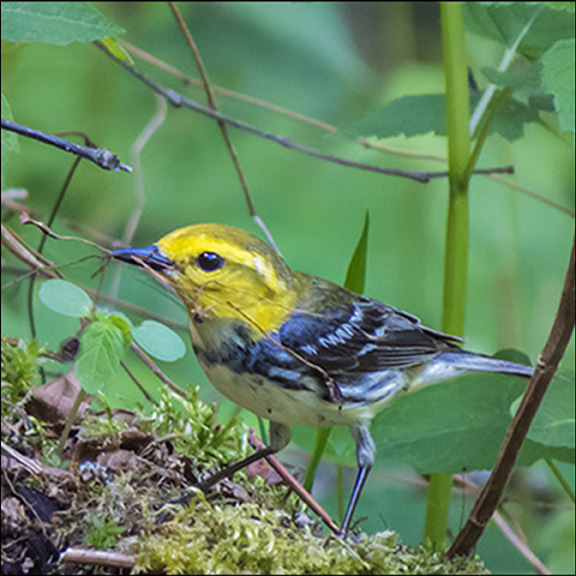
(149, 255)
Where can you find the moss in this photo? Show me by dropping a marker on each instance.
(20, 365)
(194, 429)
(246, 539)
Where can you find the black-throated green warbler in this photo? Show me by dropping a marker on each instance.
(294, 348)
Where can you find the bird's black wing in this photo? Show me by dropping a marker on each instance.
(362, 336)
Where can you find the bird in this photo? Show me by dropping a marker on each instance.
(294, 348)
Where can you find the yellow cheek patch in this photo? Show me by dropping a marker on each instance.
(251, 286)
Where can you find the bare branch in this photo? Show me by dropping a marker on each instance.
(222, 125)
(178, 101)
(100, 156)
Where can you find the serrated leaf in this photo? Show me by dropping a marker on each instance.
(159, 341)
(55, 22)
(526, 74)
(123, 324)
(558, 78)
(511, 118)
(409, 115)
(356, 275)
(421, 114)
(505, 23)
(65, 298)
(101, 348)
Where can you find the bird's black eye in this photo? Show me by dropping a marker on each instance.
(210, 261)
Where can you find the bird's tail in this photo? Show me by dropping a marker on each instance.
(470, 361)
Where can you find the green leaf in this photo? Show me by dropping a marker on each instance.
(55, 22)
(533, 451)
(414, 115)
(123, 324)
(561, 6)
(356, 275)
(511, 118)
(505, 23)
(449, 427)
(65, 298)
(446, 427)
(525, 74)
(554, 424)
(101, 348)
(558, 78)
(409, 115)
(9, 139)
(159, 341)
(513, 355)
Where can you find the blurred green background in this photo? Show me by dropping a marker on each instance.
(335, 62)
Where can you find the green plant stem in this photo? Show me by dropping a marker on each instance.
(340, 482)
(483, 130)
(456, 255)
(561, 479)
(322, 435)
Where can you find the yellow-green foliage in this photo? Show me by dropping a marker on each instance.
(195, 429)
(247, 539)
(19, 371)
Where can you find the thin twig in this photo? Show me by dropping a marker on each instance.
(100, 156)
(43, 239)
(144, 312)
(144, 137)
(520, 545)
(290, 481)
(156, 371)
(136, 381)
(535, 195)
(178, 101)
(553, 351)
(517, 540)
(26, 254)
(365, 142)
(99, 557)
(221, 124)
(561, 480)
(26, 219)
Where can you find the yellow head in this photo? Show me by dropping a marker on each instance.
(221, 272)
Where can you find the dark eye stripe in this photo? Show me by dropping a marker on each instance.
(209, 261)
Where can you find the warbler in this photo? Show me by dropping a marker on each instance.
(294, 348)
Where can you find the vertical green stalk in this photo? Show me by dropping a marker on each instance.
(456, 254)
(322, 435)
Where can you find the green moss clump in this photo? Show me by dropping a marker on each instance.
(246, 539)
(194, 429)
(20, 365)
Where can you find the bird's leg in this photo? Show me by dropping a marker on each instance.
(365, 453)
(279, 438)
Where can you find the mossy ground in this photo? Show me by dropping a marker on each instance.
(119, 482)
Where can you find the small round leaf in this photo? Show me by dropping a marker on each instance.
(65, 298)
(159, 341)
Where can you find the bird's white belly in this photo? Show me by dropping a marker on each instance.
(283, 405)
